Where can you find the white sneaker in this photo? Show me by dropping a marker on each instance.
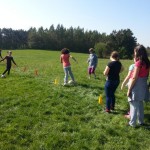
(64, 84)
(2, 76)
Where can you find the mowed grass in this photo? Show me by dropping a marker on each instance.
(36, 114)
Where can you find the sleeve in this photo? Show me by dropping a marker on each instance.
(13, 61)
(131, 67)
(109, 64)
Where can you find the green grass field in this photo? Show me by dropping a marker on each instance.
(36, 114)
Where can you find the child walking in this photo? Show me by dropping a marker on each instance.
(9, 59)
(92, 61)
(64, 59)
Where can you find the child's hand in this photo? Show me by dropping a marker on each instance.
(122, 87)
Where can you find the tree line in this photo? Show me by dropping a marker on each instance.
(76, 39)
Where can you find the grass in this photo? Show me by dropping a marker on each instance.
(36, 114)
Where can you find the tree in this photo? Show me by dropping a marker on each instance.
(101, 49)
(122, 41)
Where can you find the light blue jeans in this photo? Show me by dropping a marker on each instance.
(68, 72)
(136, 112)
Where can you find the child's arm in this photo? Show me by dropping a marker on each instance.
(13, 61)
(3, 59)
(60, 59)
(106, 71)
(125, 81)
(133, 80)
(122, 68)
(73, 59)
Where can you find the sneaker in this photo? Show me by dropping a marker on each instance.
(64, 84)
(2, 76)
(107, 110)
(142, 124)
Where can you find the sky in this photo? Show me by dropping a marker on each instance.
(101, 15)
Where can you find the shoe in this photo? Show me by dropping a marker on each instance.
(107, 110)
(127, 116)
(2, 76)
(142, 124)
(65, 84)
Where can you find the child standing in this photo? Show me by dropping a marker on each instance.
(92, 61)
(138, 86)
(64, 58)
(126, 82)
(112, 71)
(9, 59)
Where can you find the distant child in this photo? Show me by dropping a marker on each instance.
(1, 53)
(92, 61)
(126, 82)
(9, 59)
(64, 59)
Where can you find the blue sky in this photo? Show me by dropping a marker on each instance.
(101, 15)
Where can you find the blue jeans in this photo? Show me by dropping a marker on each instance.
(110, 88)
(68, 72)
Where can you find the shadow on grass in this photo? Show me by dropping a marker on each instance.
(89, 86)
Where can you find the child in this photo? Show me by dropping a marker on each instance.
(92, 61)
(64, 58)
(8, 58)
(126, 82)
(138, 86)
(112, 72)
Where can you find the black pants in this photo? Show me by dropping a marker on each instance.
(7, 70)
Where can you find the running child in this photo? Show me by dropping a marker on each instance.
(9, 60)
(64, 59)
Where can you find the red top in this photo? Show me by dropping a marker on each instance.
(65, 60)
(144, 72)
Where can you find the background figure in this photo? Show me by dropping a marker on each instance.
(9, 59)
(112, 71)
(1, 53)
(64, 58)
(138, 86)
(92, 61)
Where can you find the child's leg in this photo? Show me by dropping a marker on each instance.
(66, 75)
(70, 73)
(89, 71)
(8, 71)
(141, 113)
(5, 71)
(133, 113)
(93, 71)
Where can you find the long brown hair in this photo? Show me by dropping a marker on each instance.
(141, 54)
